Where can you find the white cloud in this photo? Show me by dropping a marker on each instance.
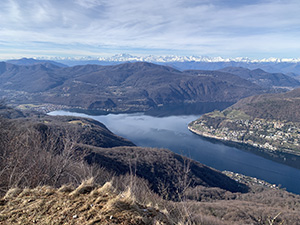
(91, 3)
(207, 27)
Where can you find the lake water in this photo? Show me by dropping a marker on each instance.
(171, 132)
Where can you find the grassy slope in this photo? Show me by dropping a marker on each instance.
(93, 204)
(88, 204)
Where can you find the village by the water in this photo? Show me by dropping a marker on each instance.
(273, 135)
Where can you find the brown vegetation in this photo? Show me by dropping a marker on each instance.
(284, 107)
(169, 174)
(85, 205)
(117, 202)
(42, 151)
(41, 163)
(137, 86)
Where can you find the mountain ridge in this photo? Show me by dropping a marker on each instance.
(31, 61)
(289, 66)
(263, 78)
(137, 86)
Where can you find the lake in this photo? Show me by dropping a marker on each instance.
(171, 132)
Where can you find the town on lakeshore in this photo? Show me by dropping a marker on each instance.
(273, 135)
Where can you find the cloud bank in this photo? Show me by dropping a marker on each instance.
(255, 28)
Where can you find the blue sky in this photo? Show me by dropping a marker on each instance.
(227, 28)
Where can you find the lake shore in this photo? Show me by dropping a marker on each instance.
(283, 157)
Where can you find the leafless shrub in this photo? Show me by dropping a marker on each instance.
(29, 158)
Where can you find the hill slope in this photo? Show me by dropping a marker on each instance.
(284, 106)
(95, 204)
(161, 166)
(264, 79)
(30, 61)
(27, 141)
(88, 204)
(32, 78)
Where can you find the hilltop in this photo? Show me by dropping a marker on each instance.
(110, 203)
(31, 61)
(87, 204)
(283, 106)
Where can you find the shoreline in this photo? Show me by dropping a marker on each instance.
(207, 135)
(283, 157)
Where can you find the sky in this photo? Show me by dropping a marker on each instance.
(74, 28)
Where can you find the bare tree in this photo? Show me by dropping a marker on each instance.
(31, 157)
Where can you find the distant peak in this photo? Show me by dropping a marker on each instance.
(259, 70)
(24, 58)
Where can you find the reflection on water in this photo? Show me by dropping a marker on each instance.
(280, 157)
(167, 110)
(171, 132)
(187, 109)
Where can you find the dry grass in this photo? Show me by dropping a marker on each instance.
(115, 204)
(100, 205)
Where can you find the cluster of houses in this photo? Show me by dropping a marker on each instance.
(267, 134)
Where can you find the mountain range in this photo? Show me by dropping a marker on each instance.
(124, 57)
(135, 86)
(271, 65)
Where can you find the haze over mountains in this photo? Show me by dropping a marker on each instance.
(262, 78)
(31, 61)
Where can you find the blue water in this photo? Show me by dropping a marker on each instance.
(171, 132)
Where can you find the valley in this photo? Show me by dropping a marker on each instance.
(162, 132)
(150, 112)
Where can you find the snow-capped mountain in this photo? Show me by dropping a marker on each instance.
(174, 58)
(290, 66)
